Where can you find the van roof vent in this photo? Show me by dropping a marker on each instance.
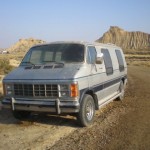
(36, 67)
(28, 67)
(59, 66)
(48, 67)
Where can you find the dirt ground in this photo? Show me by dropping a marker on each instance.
(118, 126)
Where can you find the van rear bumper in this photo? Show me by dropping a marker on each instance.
(54, 106)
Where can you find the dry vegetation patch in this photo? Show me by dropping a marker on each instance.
(7, 63)
(5, 67)
(138, 58)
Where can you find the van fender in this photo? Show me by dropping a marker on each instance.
(90, 92)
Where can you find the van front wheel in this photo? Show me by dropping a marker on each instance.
(21, 114)
(87, 110)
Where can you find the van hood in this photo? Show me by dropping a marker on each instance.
(67, 72)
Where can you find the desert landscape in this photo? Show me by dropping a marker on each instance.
(118, 125)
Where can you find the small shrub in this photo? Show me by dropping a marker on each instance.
(5, 67)
(1, 96)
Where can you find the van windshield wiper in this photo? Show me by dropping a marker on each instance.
(54, 62)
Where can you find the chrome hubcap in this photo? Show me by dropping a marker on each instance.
(89, 110)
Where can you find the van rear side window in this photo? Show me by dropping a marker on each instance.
(107, 61)
(120, 60)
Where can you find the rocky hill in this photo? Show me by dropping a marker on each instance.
(23, 45)
(127, 40)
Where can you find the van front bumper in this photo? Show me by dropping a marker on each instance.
(53, 106)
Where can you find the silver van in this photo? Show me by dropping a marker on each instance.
(66, 77)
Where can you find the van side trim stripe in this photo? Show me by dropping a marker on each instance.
(106, 85)
(102, 86)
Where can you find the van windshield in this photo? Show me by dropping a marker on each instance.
(66, 53)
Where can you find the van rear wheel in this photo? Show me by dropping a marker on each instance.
(122, 91)
(87, 110)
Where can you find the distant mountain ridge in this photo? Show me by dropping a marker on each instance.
(127, 40)
(23, 45)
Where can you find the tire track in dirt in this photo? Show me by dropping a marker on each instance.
(119, 125)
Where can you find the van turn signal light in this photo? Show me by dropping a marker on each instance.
(74, 90)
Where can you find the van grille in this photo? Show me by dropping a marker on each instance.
(36, 90)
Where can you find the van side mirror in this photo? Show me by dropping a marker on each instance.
(99, 58)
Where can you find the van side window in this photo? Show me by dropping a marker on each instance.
(120, 60)
(91, 55)
(107, 61)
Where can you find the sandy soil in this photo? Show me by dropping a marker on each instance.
(117, 126)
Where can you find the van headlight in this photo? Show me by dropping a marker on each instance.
(69, 90)
(8, 90)
(64, 90)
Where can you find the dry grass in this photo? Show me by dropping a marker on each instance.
(138, 58)
(139, 63)
(137, 55)
(1, 87)
(7, 63)
(16, 56)
(5, 67)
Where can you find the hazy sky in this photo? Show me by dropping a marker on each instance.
(54, 20)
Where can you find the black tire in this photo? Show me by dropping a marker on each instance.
(121, 90)
(21, 114)
(87, 110)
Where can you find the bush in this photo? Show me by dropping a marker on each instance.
(5, 67)
(1, 96)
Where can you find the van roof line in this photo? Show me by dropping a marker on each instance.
(111, 44)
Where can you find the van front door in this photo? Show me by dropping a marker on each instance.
(96, 73)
